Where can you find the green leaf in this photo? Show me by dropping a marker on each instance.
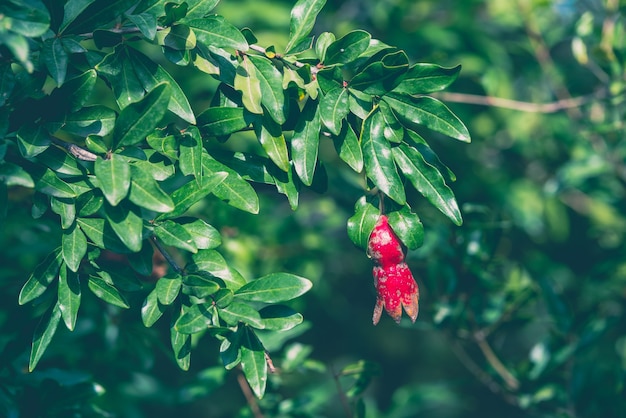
(194, 319)
(113, 178)
(427, 78)
(204, 236)
(74, 247)
(138, 120)
(71, 10)
(168, 288)
(41, 278)
(61, 162)
(428, 181)
(14, 175)
(273, 288)
(305, 142)
(107, 292)
(55, 58)
(379, 163)
(200, 286)
(334, 107)
(44, 332)
(91, 120)
(178, 37)
(127, 224)
(119, 70)
(97, 14)
(190, 148)
(174, 235)
(280, 317)
(271, 83)
(408, 227)
(146, 192)
(221, 121)
(69, 297)
(151, 309)
(215, 31)
(253, 362)
(211, 261)
(237, 312)
(200, 8)
(145, 22)
(303, 15)
(32, 140)
(66, 209)
(362, 223)
(150, 74)
(271, 137)
(348, 147)
(181, 345)
(101, 234)
(347, 48)
(78, 89)
(322, 43)
(392, 129)
(47, 182)
(247, 82)
(287, 184)
(234, 190)
(428, 112)
(361, 104)
(192, 192)
(382, 76)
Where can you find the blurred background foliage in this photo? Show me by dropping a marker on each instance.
(522, 308)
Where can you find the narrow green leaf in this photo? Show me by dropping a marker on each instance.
(271, 83)
(190, 193)
(379, 164)
(181, 345)
(427, 78)
(287, 183)
(407, 226)
(127, 225)
(151, 309)
(348, 147)
(271, 137)
(221, 121)
(41, 278)
(305, 142)
(273, 288)
(139, 119)
(280, 317)
(217, 32)
(69, 296)
(107, 292)
(113, 178)
(234, 190)
(392, 129)
(32, 140)
(428, 112)
(428, 181)
(347, 48)
(44, 332)
(303, 15)
(237, 312)
(247, 82)
(253, 362)
(146, 192)
(334, 107)
(74, 247)
(362, 223)
(71, 10)
(190, 149)
(194, 319)
(174, 235)
(211, 261)
(55, 58)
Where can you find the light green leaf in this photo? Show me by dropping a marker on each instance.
(41, 278)
(69, 296)
(427, 78)
(271, 83)
(221, 121)
(107, 292)
(146, 23)
(217, 32)
(305, 141)
(192, 192)
(200, 8)
(271, 137)
(334, 107)
(303, 15)
(273, 288)
(392, 129)
(200, 285)
(428, 181)
(44, 332)
(428, 112)
(174, 235)
(139, 119)
(194, 319)
(146, 192)
(205, 236)
(65, 208)
(347, 48)
(190, 149)
(322, 43)
(362, 223)
(47, 182)
(113, 178)
(151, 309)
(168, 287)
(74, 247)
(280, 317)
(211, 261)
(407, 226)
(101, 234)
(237, 312)
(348, 147)
(247, 82)
(181, 345)
(234, 190)
(127, 224)
(379, 164)
(32, 140)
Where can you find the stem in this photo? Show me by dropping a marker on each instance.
(493, 360)
(170, 260)
(342, 396)
(75, 150)
(260, 49)
(247, 393)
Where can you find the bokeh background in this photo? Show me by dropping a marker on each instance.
(521, 308)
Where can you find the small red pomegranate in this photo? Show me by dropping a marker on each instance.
(395, 286)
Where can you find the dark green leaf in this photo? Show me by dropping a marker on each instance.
(138, 120)
(215, 31)
(408, 227)
(41, 278)
(98, 13)
(44, 332)
(181, 345)
(167, 288)
(428, 181)
(49, 183)
(334, 107)
(14, 175)
(361, 224)
(101, 234)
(211, 261)
(287, 183)
(177, 37)
(192, 192)
(280, 317)
(200, 285)
(127, 225)
(322, 43)
(113, 178)
(303, 15)
(79, 89)
(220, 121)
(382, 76)
(91, 120)
(348, 147)
(253, 363)
(74, 246)
(190, 149)
(234, 190)
(273, 288)
(119, 70)
(61, 162)
(271, 137)
(175, 235)
(69, 297)
(151, 309)
(237, 312)
(427, 78)
(55, 58)
(329, 79)
(194, 319)
(107, 292)
(146, 192)
(379, 164)
(71, 10)
(305, 142)
(32, 140)
(146, 23)
(271, 83)
(347, 48)
(428, 112)
(65, 208)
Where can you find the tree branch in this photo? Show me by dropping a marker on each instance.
(75, 150)
(493, 360)
(168, 257)
(247, 393)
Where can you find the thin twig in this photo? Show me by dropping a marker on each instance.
(260, 49)
(342, 396)
(247, 393)
(75, 150)
(170, 260)
(493, 360)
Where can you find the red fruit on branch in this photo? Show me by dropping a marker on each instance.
(395, 286)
